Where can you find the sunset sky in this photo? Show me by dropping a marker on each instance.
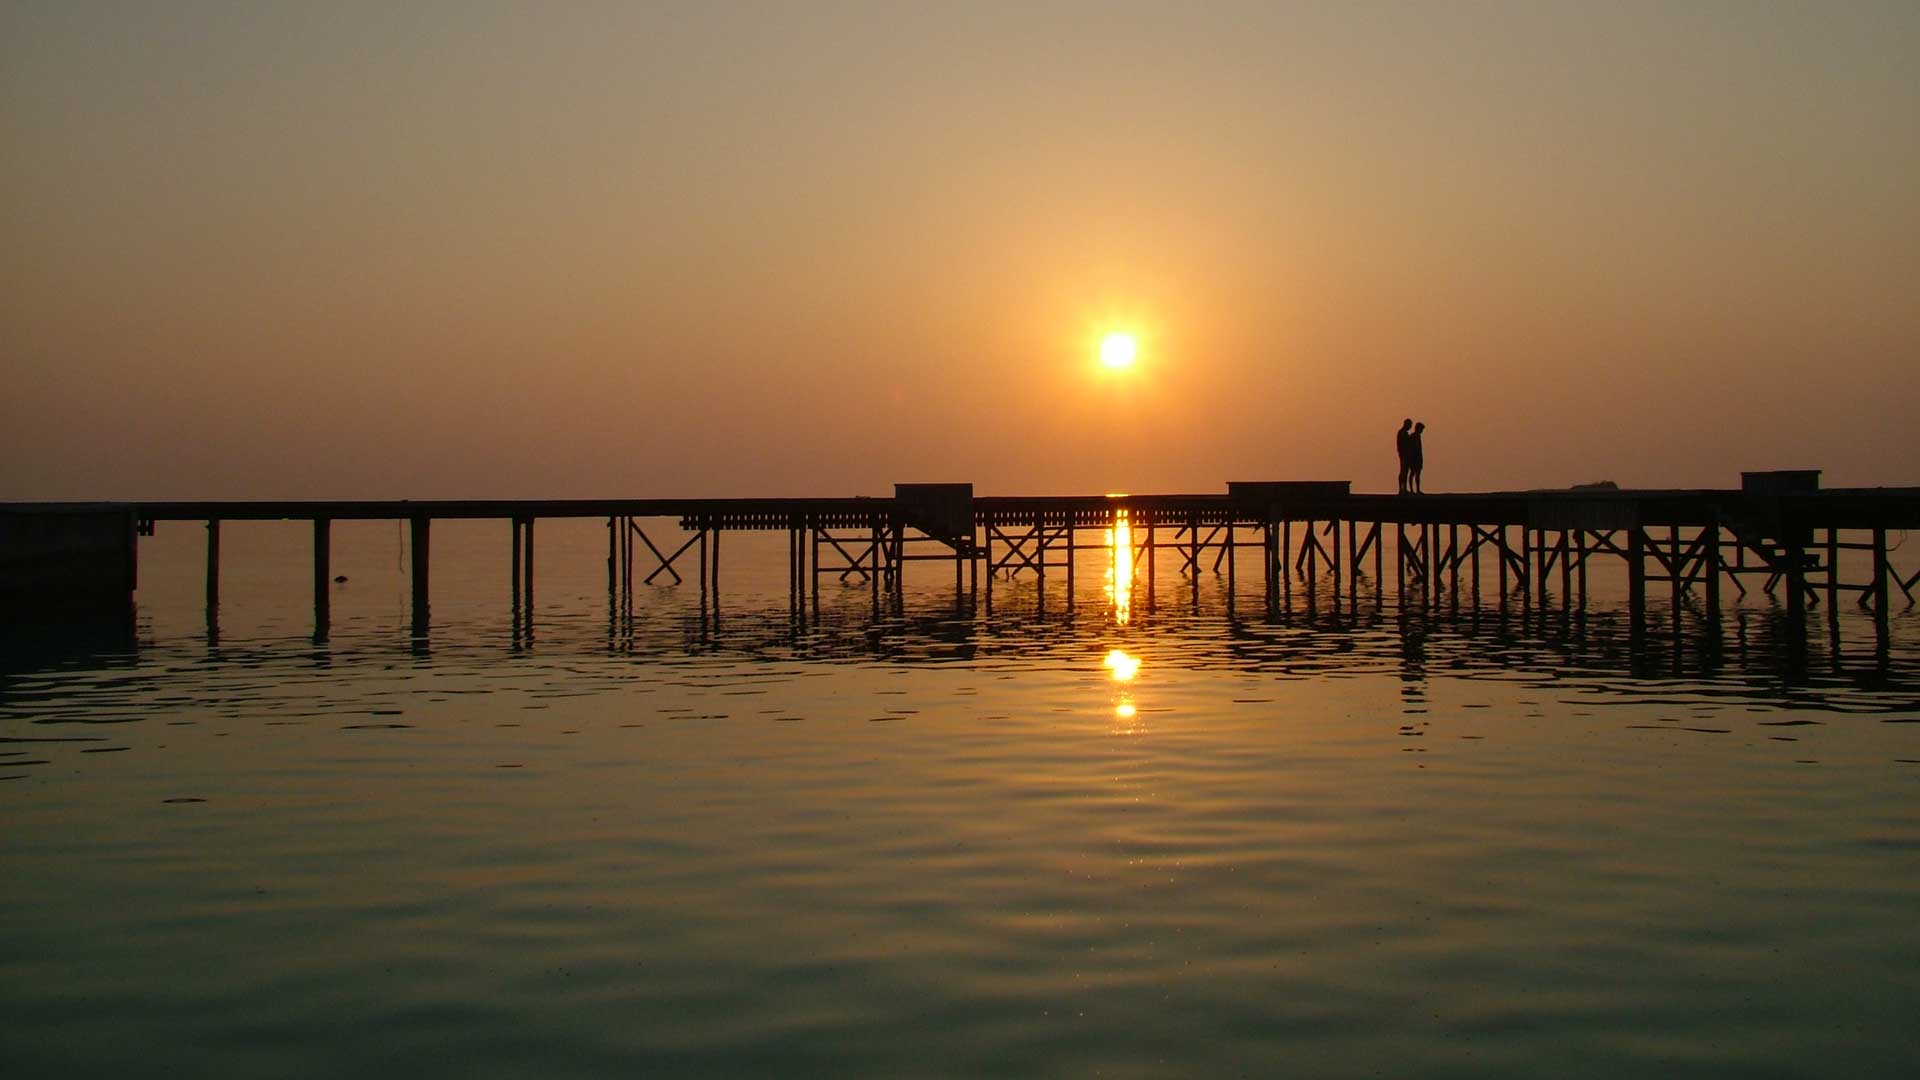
(455, 249)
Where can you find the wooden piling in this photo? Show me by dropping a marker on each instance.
(1153, 527)
(421, 539)
(1542, 563)
(1525, 568)
(1353, 557)
(213, 564)
(1193, 536)
(1710, 540)
(1286, 562)
(1400, 562)
(1833, 575)
(1500, 556)
(1379, 562)
(1473, 553)
(1333, 560)
(322, 572)
(1878, 588)
(1227, 552)
(1636, 583)
(1566, 571)
(1796, 582)
(1433, 592)
(1070, 560)
(1582, 548)
(1269, 572)
(1677, 572)
(1453, 566)
(519, 563)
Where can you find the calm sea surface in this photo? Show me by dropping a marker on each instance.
(1361, 839)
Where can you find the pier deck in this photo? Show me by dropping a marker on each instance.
(1848, 508)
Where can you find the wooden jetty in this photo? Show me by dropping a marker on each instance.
(1780, 530)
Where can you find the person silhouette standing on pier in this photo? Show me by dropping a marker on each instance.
(1416, 458)
(1403, 446)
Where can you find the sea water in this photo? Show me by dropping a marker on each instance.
(1362, 836)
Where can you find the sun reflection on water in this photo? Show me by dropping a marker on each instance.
(1120, 568)
(1121, 665)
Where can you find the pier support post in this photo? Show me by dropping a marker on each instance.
(1431, 562)
(1542, 564)
(1501, 555)
(713, 574)
(973, 564)
(1193, 537)
(1400, 561)
(797, 567)
(1796, 581)
(1677, 572)
(1636, 583)
(1070, 560)
(1286, 562)
(1353, 552)
(1269, 573)
(1453, 567)
(1566, 572)
(1710, 545)
(1525, 569)
(1473, 553)
(1833, 578)
(322, 574)
(1584, 549)
(1333, 561)
(877, 552)
(213, 568)
(422, 536)
(1878, 589)
(1232, 577)
(1379, 562)
(1153, 527)
(1311, 554)
(519, 564)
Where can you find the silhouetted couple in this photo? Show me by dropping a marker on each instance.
(1412, 458)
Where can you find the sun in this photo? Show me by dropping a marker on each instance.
(1118, 350)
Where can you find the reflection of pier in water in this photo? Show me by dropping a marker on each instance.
(1312, 542)
(1749, 651)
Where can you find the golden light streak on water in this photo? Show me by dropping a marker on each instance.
(1120, 568)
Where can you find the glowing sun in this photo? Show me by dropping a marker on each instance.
(1118, 350)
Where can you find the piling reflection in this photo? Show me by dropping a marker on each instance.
(1417, 644)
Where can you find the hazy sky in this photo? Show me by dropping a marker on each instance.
(449, 249)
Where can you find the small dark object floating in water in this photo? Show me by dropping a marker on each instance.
(340, 580)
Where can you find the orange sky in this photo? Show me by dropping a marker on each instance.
(451, 249)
